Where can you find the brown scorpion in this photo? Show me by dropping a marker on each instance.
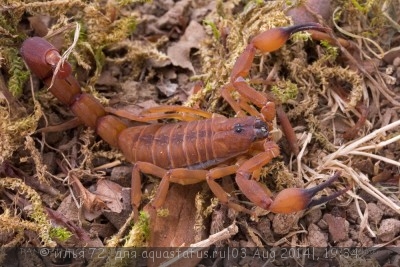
(193, 150)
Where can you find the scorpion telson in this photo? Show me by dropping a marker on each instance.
(193, 150)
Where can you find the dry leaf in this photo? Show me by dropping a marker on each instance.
(111, 194)
(167, 87)
(177, 229)
(93, 206)
(179, 53)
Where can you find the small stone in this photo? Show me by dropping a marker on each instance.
(352, 212)
(396, 62)
(365, 241)
(122, 175)
(283, 223)
(316, 237)
(345, 244)
(387, 211)
(388, 230)
(264, 227)
(314, 216)
(338, 227)
(374, 213)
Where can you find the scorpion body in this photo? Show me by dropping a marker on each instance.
(193, 150)
(197, 144)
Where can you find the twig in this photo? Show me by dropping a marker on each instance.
(212, 239)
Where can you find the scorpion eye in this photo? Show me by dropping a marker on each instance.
(238, 128)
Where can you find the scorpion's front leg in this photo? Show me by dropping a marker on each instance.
(287, 201)
(267, 41)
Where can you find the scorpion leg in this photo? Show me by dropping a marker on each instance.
(162, 112)
(268, 110)
(267, 41)
(240, 106)
(219, 192)
(181, 176)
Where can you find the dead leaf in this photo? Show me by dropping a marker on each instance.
(40, 24)
(174, 14)
(70, 214)
(177, 229)
(118, 219)
(93, 206)
(167, 87)
(179, 52)
(111, 194)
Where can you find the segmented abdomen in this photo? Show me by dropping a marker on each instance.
(175, 145)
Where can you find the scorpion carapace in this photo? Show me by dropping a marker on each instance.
(204, 146)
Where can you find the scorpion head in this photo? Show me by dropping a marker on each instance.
(236, 135)
(260, 129)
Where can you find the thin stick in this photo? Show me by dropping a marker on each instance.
(212, 239)
(387, 160)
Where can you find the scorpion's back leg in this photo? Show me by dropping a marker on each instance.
(181, 176)
(163, 112)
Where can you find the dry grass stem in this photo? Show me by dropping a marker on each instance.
(346, 149)
(301, 153)
(212, 239)
(66, 54)
(363, 182)
(343, 31)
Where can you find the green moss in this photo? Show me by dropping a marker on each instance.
(364, 7)
(144, 224)
(285, 90)
(60, 233)
(140, 232)
(16, 70)
(42, 224)
(214, 29)
(331, 51)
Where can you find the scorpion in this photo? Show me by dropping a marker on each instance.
(201, 146)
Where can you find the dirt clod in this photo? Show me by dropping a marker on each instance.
(283, 223)
(338, 227)
(317, 238)
(388, 229)
(375, 213)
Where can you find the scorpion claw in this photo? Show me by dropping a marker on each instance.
(297, 199)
